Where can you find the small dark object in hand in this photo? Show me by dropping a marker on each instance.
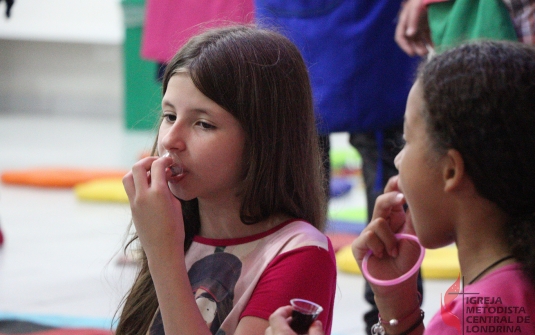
(301, 322)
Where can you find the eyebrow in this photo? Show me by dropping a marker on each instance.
(197, 110)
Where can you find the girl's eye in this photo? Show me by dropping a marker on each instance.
(169, 117)
(205, 125)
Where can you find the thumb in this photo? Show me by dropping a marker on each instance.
(316, 328)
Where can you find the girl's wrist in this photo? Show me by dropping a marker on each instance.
(417, 327)
(398, 311)
(407, 325)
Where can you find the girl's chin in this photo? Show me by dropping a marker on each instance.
(180, 194)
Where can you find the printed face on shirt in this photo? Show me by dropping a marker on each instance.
(207, 305)
(206, 139)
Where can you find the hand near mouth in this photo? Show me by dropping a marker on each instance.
(156, 212)
(172, 170)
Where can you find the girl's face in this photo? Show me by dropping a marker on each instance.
(420, 178)
(204, 139)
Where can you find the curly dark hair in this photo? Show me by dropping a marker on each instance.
(480, 100)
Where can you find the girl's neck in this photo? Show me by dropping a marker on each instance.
(222, 221)
(481, 240)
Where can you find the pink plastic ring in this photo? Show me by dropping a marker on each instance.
(403, 277)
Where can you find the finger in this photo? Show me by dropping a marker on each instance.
(420, 47)
(381, 239)
(392, 184)
(140, 172)
(414, 10)
(369, 240)
(399, 34)
(159, 171)
(386, 235)
(128, 184)
(278, 322)
(387, 203)
(316, 328)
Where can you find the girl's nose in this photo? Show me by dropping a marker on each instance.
(174, 138)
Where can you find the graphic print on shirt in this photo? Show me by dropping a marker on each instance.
(212, 280)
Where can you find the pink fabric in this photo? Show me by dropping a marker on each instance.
(503, 302)
(170, 23)
(254, 275)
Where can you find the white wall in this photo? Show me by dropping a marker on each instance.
(61, 57)
(85, 21)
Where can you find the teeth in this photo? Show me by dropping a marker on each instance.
(175, 170)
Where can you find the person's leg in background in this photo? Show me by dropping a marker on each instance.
(377, 151)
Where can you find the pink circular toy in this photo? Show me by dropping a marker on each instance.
(403, 277)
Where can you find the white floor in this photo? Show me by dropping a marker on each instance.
(59, 257)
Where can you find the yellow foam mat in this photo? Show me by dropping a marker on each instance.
(105, 189)
(438, 263)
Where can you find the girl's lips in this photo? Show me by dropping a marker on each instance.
(174, 179)
(174, 173)
(175, 170)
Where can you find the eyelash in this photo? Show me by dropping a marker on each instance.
(205, 125)
(170, 117)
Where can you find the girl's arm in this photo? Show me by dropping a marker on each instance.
(307, 272)
(157, 216)
(391, 259)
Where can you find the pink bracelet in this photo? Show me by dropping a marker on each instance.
(403, 277)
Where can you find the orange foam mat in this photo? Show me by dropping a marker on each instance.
(57, 177)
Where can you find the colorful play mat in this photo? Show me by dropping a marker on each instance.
(438, 263)
(344, 225)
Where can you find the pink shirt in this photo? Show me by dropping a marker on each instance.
(502, 302)
(170, 23)
(255, 275)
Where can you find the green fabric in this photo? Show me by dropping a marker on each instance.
(454, 22)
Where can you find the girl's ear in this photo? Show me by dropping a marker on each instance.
(453, 173)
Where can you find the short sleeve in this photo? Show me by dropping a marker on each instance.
(307, 273)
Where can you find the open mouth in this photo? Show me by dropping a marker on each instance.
(175, 170)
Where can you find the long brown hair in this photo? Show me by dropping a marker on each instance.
(259, 77)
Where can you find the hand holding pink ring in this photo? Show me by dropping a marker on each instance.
(403, 277)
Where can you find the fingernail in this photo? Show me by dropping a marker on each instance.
(399, 197)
